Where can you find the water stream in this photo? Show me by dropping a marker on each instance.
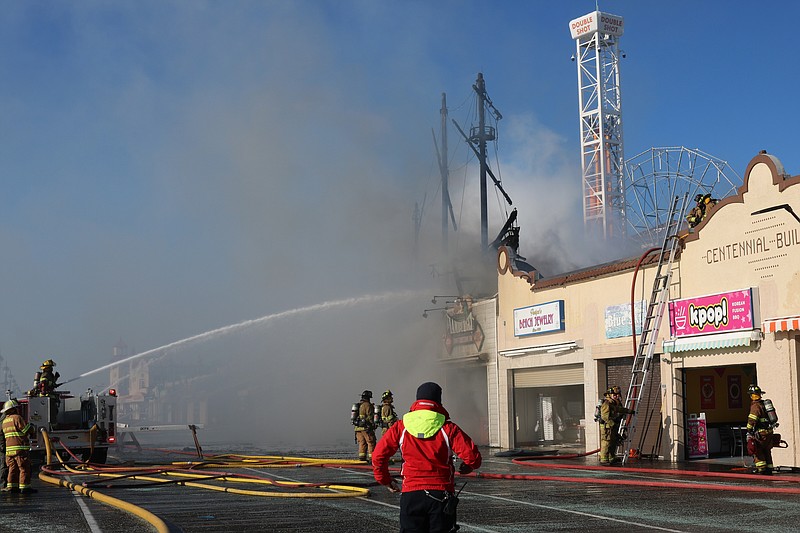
(219, 332)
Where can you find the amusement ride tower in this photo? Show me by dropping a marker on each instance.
(602, 152)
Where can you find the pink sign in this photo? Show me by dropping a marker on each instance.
(729, 311)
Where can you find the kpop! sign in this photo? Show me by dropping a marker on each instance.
(544, 318)
(728, 311)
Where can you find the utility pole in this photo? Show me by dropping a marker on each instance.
(445, 172)
(480, 137)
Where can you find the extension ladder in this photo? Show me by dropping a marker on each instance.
(652, 323)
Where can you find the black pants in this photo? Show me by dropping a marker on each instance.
(423, 512)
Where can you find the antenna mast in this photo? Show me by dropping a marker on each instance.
(600, 106)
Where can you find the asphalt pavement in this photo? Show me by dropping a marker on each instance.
(547, 496)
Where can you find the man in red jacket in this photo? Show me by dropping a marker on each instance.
(428, 441)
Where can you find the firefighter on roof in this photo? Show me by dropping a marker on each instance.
(362, 415)
(611, 412)
(704, 203)
(696, 214)
(16, 431)
(760, 422)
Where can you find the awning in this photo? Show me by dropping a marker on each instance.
(544, 348)
(787, 323)
(712, 342)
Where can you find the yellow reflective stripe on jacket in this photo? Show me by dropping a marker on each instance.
(16, 434)
(13, 433)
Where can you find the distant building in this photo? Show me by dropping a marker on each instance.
(152, 390)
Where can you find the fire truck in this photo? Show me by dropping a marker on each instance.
(85, 424)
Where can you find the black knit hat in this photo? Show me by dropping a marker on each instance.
(430, 391)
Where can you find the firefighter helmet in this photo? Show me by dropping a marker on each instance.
(386, 394)
(9, 405)
(49, 363)
(616, 390)
(609, 391)
(366, 394)
(755, 389)
(698, 198)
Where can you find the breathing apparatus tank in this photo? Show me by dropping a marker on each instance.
(36, 381)
(376, 416)
(354, 414)
(772, 416)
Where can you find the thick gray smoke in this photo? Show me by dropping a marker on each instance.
(174, 168)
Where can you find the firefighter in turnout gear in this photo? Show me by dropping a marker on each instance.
(48, 383)
(759, 431)
(16, 432)
(362, 418)
(699, 211)
(611, 412)
(696, 214)
(3, 465)
(388, 414)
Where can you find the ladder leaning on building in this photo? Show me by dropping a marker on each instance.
(651, 324)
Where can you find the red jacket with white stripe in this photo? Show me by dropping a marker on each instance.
(427, 440)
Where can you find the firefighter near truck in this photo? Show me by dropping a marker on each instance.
(85, 425)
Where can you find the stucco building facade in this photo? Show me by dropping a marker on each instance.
(732, 321)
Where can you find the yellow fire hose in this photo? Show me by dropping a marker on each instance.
(340, 491)
(269, 461)
(144, 514)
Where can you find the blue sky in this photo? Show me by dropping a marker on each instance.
(174, 167)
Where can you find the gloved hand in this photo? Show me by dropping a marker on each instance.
(464, 469)
(393, 486)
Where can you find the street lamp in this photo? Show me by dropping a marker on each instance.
(425, 312)
(434, 298)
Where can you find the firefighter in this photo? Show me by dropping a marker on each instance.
(365, 426)
(16, 431)
(388, 414)
(708, 203)
(611, 412)
(3, 465)
(759, 432)
(48, 383)
(697, 212)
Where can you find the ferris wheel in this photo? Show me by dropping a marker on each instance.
(654, 177)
